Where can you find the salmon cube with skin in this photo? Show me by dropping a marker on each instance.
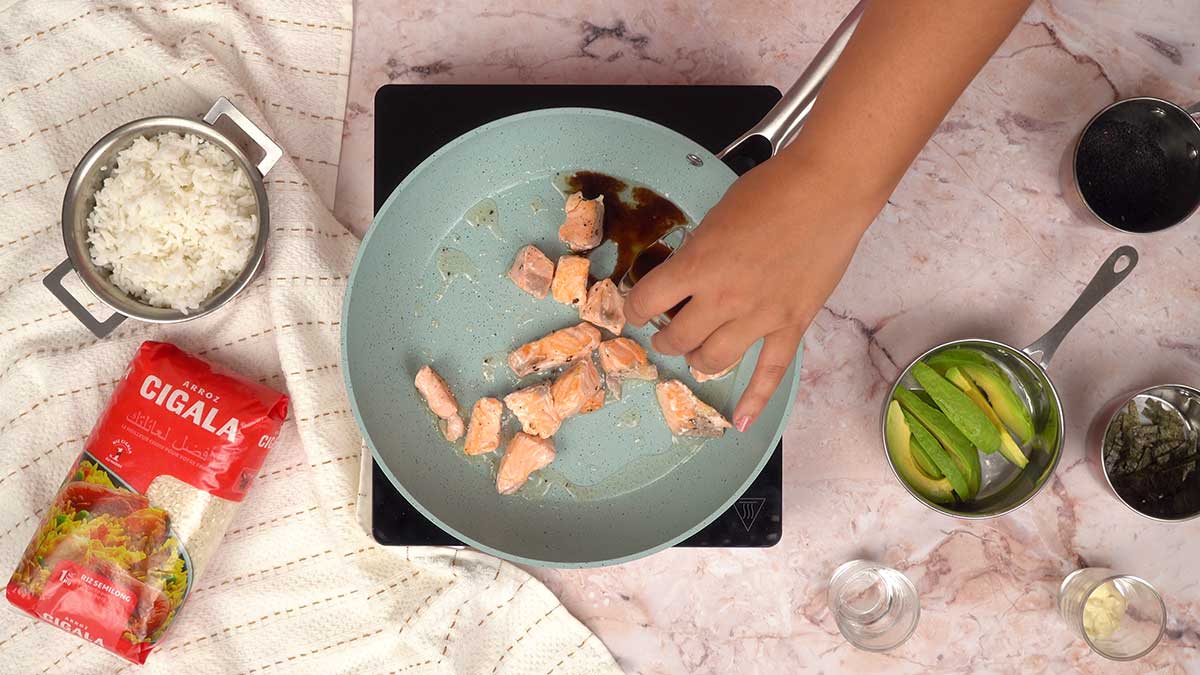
(571, 280)
(593, 404)
(604, 307)
(687, 415)
(583, 224)
(524, 455)
(483, 433)
(553, 350)
(623, 359)
(575, 388)
(534, 408)
(532, 272)
(441, 401)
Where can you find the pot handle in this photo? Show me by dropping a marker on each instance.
(1107, 278)
(1194, 111)
(784, 121)
(272, 153)
(53, 282)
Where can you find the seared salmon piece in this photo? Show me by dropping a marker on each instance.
(593, 404)
(558, 348)
(687, 415)
(702, 377)
(532, 272)
(571, 280)
(575, 388)
(624, 359)
(441, 401)
(583, 227)
(483, 433)
(524, 455)
(534, 407)
(604, 307)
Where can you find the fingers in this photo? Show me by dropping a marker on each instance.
(658, 291)
(778, 351)
(724, 347)
(688, 329)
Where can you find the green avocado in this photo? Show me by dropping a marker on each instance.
(1008, 406)
(949, 465)
(961, 411)
(947, 434)
(923, 458)
(959, 356)
(899, 447)
(1008, 447)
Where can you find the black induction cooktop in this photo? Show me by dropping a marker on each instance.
(412, 121)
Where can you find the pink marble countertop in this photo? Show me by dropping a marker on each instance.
(976, 242)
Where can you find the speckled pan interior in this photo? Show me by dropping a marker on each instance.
(429, 286)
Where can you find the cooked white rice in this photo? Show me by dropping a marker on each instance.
(174, 221)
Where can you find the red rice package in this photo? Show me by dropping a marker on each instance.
(148, 500)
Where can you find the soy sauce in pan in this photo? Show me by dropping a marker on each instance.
(634, 219)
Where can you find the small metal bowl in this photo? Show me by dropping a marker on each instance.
(1180, 399)
(80, 199)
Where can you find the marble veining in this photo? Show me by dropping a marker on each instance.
(976, 242)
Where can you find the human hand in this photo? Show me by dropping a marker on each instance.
(759, 266)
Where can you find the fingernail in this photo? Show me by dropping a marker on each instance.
(743, 423)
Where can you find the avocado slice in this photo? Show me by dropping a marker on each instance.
(958, 356)
(949, 464)
(1008, 406)
(947, 434)
(899, 447)
(1008, 447)
(923, 458)
(959, 409)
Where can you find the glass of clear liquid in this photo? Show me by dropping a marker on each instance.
(876, 607)
(1121, 617)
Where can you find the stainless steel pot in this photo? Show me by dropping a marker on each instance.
(80, 199)
(1004, 487)
(1176, 130)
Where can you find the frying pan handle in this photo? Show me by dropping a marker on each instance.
(783, 122)
(1106, 279)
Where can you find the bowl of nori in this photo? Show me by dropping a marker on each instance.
(1150, 451)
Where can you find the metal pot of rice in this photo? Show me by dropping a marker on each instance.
(165, 219)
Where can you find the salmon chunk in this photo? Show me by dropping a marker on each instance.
(524, 455)
(604, 307)
(575, 388)
(687, 415)
(557, 348)
(593, 404)
(534, 407)
(583, 227)
(624, 359)
(440, 400)
(571, 280)
(702, 377)
(483, 433)
(532, 272)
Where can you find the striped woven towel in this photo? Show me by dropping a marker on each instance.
(296, 585)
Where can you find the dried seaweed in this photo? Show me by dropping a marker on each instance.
(1151, 460)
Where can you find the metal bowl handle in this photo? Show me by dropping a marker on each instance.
(1107, 278)
(272, 153)
(53, 282)
(784, 121)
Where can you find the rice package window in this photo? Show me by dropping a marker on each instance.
(146, 503)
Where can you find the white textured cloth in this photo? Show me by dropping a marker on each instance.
(296, 585)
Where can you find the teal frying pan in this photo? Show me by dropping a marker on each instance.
(429, 287)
